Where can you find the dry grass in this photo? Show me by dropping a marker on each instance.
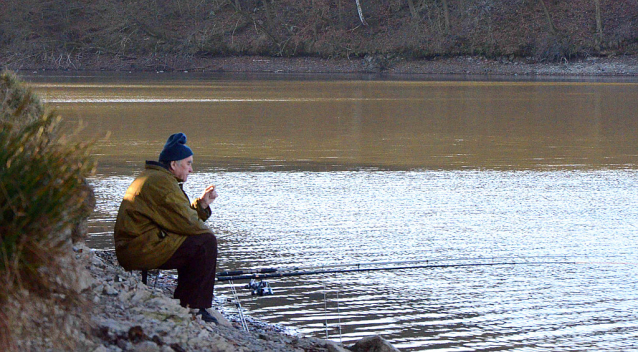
(43, 197)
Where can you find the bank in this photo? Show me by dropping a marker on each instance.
(384, 65)
(120, 313)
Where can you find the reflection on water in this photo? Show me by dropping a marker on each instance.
(323, 171)
(337, 124)
(285, 219)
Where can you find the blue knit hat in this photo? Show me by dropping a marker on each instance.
(175, 148)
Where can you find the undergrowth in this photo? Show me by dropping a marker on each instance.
(43, 196)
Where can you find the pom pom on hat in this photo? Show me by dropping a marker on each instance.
(175, 148)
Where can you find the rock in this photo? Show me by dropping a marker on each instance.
(177, 348)
(221, 320)
(334, 347)
(373, 344)
(124, 345)
(109, 290)
(147, 346)
(126, 296)
(101, 349)
(84, 281)
(140, 296)
(110, 329)
(136, 334)
(97, 262)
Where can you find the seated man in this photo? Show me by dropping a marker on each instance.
(158, 228)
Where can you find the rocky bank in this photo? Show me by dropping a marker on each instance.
(382, 65)
(461, 65)
(127, 315)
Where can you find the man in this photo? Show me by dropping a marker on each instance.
(158, 228)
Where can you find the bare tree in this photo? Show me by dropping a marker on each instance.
(446, 16)
(599, 23)
(360, 11)
(413, 11)
(268, 12)
(550, 23)
(444, 8)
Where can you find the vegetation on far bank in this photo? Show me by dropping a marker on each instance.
(65, 34)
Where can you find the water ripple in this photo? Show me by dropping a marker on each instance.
(277, 219)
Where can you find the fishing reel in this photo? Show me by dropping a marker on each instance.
(259, 288)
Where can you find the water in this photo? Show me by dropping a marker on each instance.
(329, 171)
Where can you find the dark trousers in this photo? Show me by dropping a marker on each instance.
(196, 262)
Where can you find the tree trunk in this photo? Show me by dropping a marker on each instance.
(415, 14)
(552, 29)
(269, 22)
(446, 16)
(360, 11)
(599, 24)
(340, 11)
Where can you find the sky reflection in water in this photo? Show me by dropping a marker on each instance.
(283, 219)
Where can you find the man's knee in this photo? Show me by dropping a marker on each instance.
(208, 241)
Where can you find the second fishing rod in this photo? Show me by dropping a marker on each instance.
(263, 273)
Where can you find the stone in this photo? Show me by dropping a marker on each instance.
(84, 281)
(147, 346)
(136, 334)
(334, 347)
(374, 343)
(97, 262)
(140, 296)
(111, 329)
(125, 345)
(220, 318)
(109, 290)
(177, 348)
(101, 348)
(126, 296)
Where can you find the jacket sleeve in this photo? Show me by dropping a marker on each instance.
(203, 213)
(173, 213)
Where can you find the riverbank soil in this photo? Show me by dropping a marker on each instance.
(467, 65)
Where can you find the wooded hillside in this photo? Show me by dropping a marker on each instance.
(63, 32)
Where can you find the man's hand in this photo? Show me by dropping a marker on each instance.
(208, 196)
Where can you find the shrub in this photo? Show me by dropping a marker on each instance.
(42, 197)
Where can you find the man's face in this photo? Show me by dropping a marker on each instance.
(182, 168)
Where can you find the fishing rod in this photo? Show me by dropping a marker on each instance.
(261, 287)
(241, 272)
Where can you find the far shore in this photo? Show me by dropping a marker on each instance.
(617, 66)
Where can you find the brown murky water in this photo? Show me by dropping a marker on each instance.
(331, 170)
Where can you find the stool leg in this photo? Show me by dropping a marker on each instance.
(144, 276)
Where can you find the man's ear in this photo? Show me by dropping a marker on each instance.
(172, 165)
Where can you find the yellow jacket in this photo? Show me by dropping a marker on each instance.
(154, 219)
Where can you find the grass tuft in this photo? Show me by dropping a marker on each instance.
(43, 196)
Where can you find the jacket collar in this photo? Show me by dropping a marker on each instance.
(156, 165)
(152, 164)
